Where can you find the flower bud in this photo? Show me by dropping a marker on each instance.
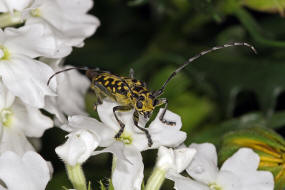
(266, 143)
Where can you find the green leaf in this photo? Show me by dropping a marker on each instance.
(210, 133)
(266, 5)
(230, 77)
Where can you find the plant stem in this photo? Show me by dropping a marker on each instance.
(76, 176)
(156, 179)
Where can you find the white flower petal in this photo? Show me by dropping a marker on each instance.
(29, 172)
(81, 6)
(78, 147)
(166, 135)
(259, 180)
(6, 98)
(14, 140)
(228, 181)
(175, 160)
(185, 183)
(165, 158)
(31, 40)
(61, 45)
(169, 116)
(105, 112)
(10, 5)
(244, 160)
(29, 119)
(128, 176)
(69, 21)
(183, 157)
(204, 168)
(207, 150)
(27, 78)
(244, 164)
(83, 122)
(116, 148)
(53, 107)
(72, 87)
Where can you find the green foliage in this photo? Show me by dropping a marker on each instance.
(212, 133)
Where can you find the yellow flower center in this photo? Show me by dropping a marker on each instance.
(4, 53)
(36, 12)
(6, 117)
(125, 138)
(214, 186)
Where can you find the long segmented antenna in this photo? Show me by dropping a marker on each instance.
(160, 91)
(77, 68)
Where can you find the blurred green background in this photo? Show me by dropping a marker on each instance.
(220, 92)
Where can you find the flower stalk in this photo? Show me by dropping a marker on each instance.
(8, 19)
(156, 179)
(76, 176)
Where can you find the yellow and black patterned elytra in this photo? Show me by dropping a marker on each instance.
(131, 93)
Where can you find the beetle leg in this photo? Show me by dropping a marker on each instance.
(98, 98)
(136, 120)
(122, 125)
(161, 117)
(132, 73)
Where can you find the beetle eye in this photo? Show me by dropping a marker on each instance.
(155, 102)
(139, 105)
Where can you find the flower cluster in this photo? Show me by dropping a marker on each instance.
(199, 160)
(45, 33)
(35, 36)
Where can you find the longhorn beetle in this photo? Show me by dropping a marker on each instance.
(131, 93)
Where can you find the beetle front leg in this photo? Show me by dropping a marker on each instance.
(122, 125)
(136, 120)
(161, 117)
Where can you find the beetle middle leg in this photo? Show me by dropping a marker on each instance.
(161, 117)
(122, 125)
(136, 120)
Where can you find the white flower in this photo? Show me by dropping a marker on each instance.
(24, 76)
(28, 172)
(169, 162)
(71, 89)
(19, 121)
(11, 5)
(67, 20)
(128, 159)
(174, 160)
(78, 148)
(239, 172)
